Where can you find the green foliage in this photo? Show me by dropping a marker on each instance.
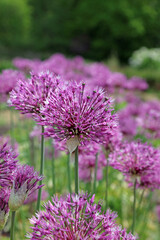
(14, 22)
(95, 29)
(5, 64)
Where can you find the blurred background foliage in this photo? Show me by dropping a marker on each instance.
(95, 29)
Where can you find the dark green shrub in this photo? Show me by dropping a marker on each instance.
(15, 21)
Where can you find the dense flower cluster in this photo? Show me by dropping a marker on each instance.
(96, 74)
(76, 217)
(136, 161)
(8, 164)
(34, 196)
(24, 184)
(144, 119)
(77, 114)
(30, 96)
(87, 164)
(8, 80)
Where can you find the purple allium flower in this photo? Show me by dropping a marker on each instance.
(30, 96)
(14, 146)
(8, 80)
(34, 196)
(151, 179)
(26, 65)
(8, 164)
(4, 209)
(24, 184)
(136, 83)
(112, 141)
(134, 160)
(87, 163)
(78, 115)
(76, 217)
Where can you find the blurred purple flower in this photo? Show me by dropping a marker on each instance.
(34, 196)
(8, 80)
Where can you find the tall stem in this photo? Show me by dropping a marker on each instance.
(141, 198)
(12, 225)
(69, 173)
(95, 174)
(12, 126)
(76, 172)
(107, 184)
(134, 206)
(53, 170)
(32, 152)
(41, 169)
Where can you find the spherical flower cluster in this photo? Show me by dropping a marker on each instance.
(4, 209)
(87, 164)
(34, 196)
(14, 147)
(96, 74)
(8, 80)
(24, 184)
(8, 164)
(26, 65)
(136, 83)
(30, 96)
(151, 179)
(144, 119)
(76, 217)
(135, 160)
(75, 114)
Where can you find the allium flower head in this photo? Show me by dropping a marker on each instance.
(8, 164)
(30, 96)
(4, 209)
(76, 114)
(8, 80)
(87, 164)
(151, 179)
(26, 65)
(24, 184)
(135, 159)
(136, 83)
(76, 217)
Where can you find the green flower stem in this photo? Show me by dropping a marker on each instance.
(41, 169)
(12, 225)
(134, 206)
(107, 184)
(53, 170)
(22, 215)
(88, 186)
(12, 126)
(69, 173)
(95, 174)
(141, 199)
(76, 172)
(144, 216)
(32, 152)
